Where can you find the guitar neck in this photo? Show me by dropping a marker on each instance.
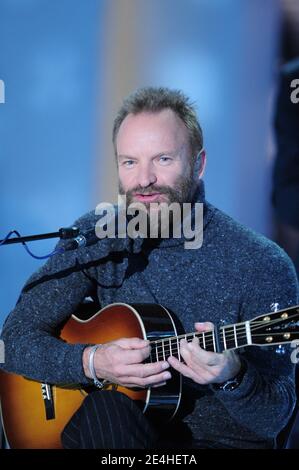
(232, 337)
(265, 330)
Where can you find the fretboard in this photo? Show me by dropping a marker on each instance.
(228, 337)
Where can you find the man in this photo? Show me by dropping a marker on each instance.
(234, 276)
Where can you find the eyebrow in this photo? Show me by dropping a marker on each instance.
(171, 153)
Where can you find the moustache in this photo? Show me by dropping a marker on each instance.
(152, 190)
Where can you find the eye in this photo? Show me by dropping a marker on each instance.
(128, 163)
(164, 160)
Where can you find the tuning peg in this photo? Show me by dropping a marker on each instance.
(280, 349)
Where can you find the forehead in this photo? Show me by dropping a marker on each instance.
(160, 131)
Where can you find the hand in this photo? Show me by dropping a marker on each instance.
(121, 362)
(205, 367)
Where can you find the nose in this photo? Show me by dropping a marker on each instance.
(146, 175)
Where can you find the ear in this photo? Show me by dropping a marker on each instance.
(203, 163)
(200, 165)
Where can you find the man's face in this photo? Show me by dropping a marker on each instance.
(153, 155)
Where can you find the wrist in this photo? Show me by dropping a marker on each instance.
(234, 382)
(89, 368)
(85, 360)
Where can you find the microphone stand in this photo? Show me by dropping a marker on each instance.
(63, 233)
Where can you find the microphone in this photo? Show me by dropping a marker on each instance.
(87, 238)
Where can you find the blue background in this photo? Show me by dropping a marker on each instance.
(60, 61)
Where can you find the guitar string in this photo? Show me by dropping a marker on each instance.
(174, 348)
(174, 351)
(209, 342)
(227, 337)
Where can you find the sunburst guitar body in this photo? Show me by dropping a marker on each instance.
(34, 414)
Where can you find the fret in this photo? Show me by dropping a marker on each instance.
(157, 356)
(214, 344)
(241, 334)
(150, 356)
(178, 348)
(235, 336)
(210, 341)
(211, 346)
(204, 340)
(216, 335)
(163, 350)
(248, 332)
(224, 340)
(170, 349)
(229, 335)
(175, 346)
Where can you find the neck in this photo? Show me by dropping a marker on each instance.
(228, 337)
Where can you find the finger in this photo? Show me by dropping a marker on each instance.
(180, 367)
(186, 352)
(144, 370)
(194, 352)
(199, 359)
(200, 376)
(189, 350)
(147, 381)
(189, 357)
(204, 326)
(133, 356)
(132, 343)
(205, 358)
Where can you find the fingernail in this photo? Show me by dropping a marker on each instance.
(167, 375)
(165, 365)
(159, 384)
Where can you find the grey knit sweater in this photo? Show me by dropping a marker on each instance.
(234, 276)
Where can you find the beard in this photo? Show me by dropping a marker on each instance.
(158, 220)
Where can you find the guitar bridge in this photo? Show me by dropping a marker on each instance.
(47, 394)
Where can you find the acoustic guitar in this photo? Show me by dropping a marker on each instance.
(34, 414)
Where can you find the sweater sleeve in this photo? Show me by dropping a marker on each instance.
(30, 332)
(267, 390)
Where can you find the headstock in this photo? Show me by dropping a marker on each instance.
(276, 328)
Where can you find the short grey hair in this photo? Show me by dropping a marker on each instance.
(155, 99)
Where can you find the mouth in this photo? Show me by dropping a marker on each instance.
(148, 197)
